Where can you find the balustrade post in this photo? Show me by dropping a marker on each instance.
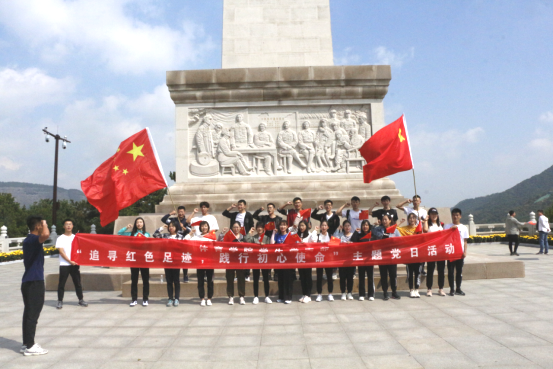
(53, 235)
(532, 227)
(472, 226)
(93, 229)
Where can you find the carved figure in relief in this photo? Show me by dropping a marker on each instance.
(216, 134)
(287, 141)
(356, 141)
(227, 156)
(264, 139)
(323, 141)
(241, 133)
(348, 123)
(306, 143)
(203, 138)
(333, 117)
(364, 128)
(342, 146)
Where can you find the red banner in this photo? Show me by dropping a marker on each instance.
(142, 252)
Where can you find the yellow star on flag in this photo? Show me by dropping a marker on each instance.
(116, 167)
(136, 151)
(125, 171)
(401, 138)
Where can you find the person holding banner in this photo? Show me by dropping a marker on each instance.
(413, 269)
(322, 237)
(285, 279)
(364, 235)
(455, 267)
(234, 235)
(245, 219)
(433, 224)
(306, 274)
(206, 235)
(171, 275)
(253, 237)
(383, 231)
(138, 230)
(182, 226)
(346, 273)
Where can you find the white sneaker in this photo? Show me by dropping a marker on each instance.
(334, 276)
(319, 298)
(306, 299)
(343, 297)
(255, 301)
(247, 279)
(35, 350)
(350, 296)
(417, 294)
(268, 300)
(330, 298)
(144, 302)
(242, 301)
(202, 303)
(133, 303)
(412, 294)
(361, 298)
(231, 301)
(301, 298)
(371, 298)
(208, 303)
(288, 302)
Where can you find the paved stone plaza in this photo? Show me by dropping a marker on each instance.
(500, 322)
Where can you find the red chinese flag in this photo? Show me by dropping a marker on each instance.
(387, 152)
(261, 237)
(364, 215)
(292, 238)
(334, 241)
(196, 223)
(133, 172)
(140, 235)
(305, 214)
(367, 236)
(243, 231)
(270, 226)
(229, 237)
(391, 229)
(211, 235)
(419, 228)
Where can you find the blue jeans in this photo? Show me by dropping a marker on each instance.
(544, 245)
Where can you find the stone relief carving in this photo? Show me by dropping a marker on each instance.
(222, 141)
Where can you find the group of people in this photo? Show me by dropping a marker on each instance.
(513, 227)
(251, 228)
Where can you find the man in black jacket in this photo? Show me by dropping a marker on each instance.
(265, 219)
(182, 227)
(241, 216)
(330, 216)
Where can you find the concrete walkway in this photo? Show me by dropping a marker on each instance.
(499, 323)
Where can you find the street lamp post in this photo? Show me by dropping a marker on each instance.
(65, 141)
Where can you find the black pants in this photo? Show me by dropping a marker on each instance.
(240, 278)
(172, 278)
(201, 290)
(306, 280)
(369, 271)
(65, 271)
(346, 278)
(430, 274)
(414, 275)
(285, 283)
(145, 272)
(184, 274)
(266, 274)
(33, 301)
(455, 267)
(385, 271)
(329, 280)
(513, 238)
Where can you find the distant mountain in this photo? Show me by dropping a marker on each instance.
(529, 195)
(27, 193)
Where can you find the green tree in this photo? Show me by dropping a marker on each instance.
(13, 216)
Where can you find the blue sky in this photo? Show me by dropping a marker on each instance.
(474, 79)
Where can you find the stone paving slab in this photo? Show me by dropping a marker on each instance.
(499, 323)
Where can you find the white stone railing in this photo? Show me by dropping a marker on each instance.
(494, 228)
(11, 244)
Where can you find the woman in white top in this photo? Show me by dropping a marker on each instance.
(323, 236)
(432, 224)
(306, 274)
(345, 273)
(202, 273)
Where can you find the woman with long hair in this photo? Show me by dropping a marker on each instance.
(138, 230)
(240, 273)
(285, 276)
(432, 224)
(382, 232)
(345, 273)
(413, 269)
(259, 238)
(306, 274)
(323, 236)
(368, 270)
(171, 275)
(203, 273)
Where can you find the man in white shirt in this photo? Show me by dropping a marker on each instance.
(204, 208)
(352, 214)
(543, 230)
(420, 213)
(457, 265)
(68, 267)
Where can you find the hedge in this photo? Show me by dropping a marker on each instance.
(18, 254)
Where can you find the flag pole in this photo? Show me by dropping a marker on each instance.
(414, 181)
(171, 197)
(409, 143)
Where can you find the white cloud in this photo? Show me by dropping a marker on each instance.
(545, 145)
(347, 57)
(474, 134)
(448, 143)
(105, 31)
(8, 163)
(547, 117)
(383, 55)
(29, 88)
